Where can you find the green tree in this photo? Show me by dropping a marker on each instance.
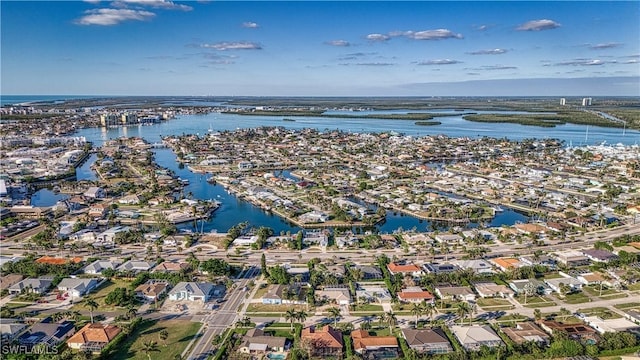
(291, 316)
(92, 305)
(149, 347)
(334, 313)
(164, 335)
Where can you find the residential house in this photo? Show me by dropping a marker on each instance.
(97, 211)
(450, 239)
(95, 192)
(93, 337)
(375, 347)
(84, 235)
(47, 332)
(323, 342)
(77, 287)
(478, 266)
(10, 329)
(580, 332)
(611, 325)
(300, 274)
(492, 290)
(107, 237)
(256, 341)
(98, 266)
(434, 268)
(460, 293)
(416, 295)
(544, 260)
(193, 291)
(599, 255)
(136, 266)
(535, 287)
(283, 294)
(170, 267)
(340, 296)
(633, 315)
(411, 269)
(31, 285)
(129, 200)
(369, 272)
(338, 270)
(151, 290)
(526, 331)
(596, 278)
(9, 279)
(373, 293)
(427, 341)
(474, 337)
(572, 258)
(506, 263)
(556, 283)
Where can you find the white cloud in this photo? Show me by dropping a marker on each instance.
(377, 37)
(338, 43)
(438, 34)
(157, 4)
(225, 45)
(581, 62)
(488, 52)
(439, 62)
(537, 25)
(604, 46)
(106, 17)
(250, 25)
(493, 67)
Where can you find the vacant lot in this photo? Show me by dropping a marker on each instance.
(180, 334)
(101, 293)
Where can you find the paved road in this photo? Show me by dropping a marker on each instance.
(223, 318)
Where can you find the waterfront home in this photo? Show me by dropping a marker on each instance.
(256, 341)
(135, 266)
(427, 341)
(449, 239)
(410, 269)
(319, 237)
(313, 217)
(374, 347)
(478, 266)
(416, 295)
(46, 332)
(98, 266)
(459, 293)
(323, 342)
(129, 200)
(492, 290)
(95, 192)
(31, 285)
(194, 291)
(93, 337)
(77, 288)
(474, 337)
(526, 331)
(151, 290)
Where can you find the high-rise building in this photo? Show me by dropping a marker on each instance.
(586, 101)
(129, 119)
(107, 120)
(563, 102)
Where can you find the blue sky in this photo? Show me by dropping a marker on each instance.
(383, 48)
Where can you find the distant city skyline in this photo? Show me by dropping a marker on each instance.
(265, 48)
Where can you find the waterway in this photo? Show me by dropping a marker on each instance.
(234, 210)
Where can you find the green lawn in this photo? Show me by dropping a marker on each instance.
(606, 292)
(536, 301)
(628, 306)
(494, 304)
(513, 317)
(576, 298)
(634, 287)
(368, 308)
(262, 291)
(259, 307)
(180, 334)
(601, 312)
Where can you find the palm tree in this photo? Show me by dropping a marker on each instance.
(417, 310)
(334, 312)
(131, 312)
(92, 305)
(301, 316)
(462, 310)
(429, 310)
(391, 320)
(148, 347)
(291, 316)
(164, 334)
